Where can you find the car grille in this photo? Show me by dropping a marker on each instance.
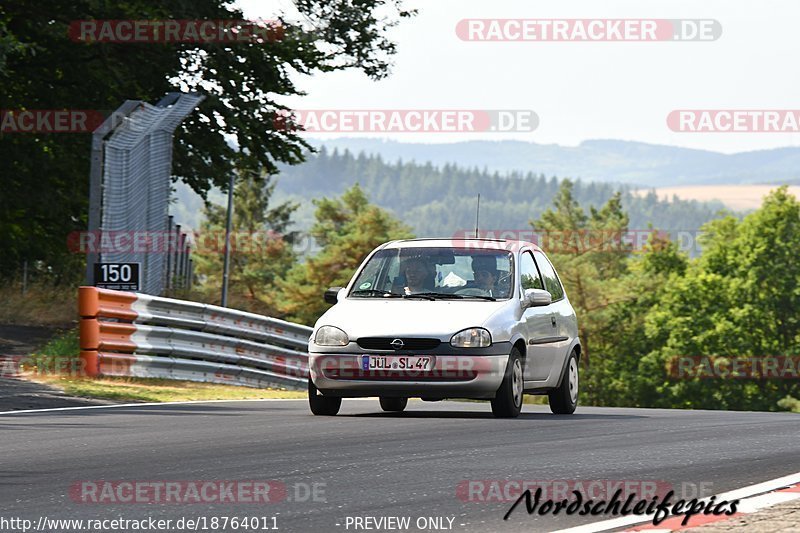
(409, 343)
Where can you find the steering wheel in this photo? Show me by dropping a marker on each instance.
(472, 291)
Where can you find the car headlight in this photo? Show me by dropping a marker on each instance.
(471, 338)
(331, 336)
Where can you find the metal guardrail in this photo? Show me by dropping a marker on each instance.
(134, 334)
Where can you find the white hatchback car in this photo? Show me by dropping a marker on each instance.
(438, 318)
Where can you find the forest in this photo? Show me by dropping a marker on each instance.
(439, 201)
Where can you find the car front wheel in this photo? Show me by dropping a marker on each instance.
(507, 403)
(322, 405)
(564, 399)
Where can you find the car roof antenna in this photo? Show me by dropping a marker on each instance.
(477, 215)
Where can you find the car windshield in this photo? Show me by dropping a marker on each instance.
(436, 273)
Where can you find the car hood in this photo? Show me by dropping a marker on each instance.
(375, 317)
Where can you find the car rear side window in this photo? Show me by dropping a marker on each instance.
(529, 275)
(551, 282)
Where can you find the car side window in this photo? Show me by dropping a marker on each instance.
(529, 274)
(551, 282)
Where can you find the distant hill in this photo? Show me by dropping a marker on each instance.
(634, 163)
(440, 201)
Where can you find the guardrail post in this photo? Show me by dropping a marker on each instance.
(88, 308)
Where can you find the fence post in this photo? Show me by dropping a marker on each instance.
(25, 277)
(166, 250)
(226, 266)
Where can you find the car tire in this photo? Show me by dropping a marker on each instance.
(564, 399)
(507, 403)
(396, 405)
(322, 405)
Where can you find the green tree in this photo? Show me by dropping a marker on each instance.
(261, 246)
(628, 376)
(347, 229)
(45, 176)
(590, 253)
(641, 311)
(738, 299)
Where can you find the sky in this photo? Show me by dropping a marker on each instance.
(578, 90)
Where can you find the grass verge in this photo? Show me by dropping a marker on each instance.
(155, 390)
(41, 305)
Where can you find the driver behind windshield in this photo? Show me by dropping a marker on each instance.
(419, 277)
(484, 270)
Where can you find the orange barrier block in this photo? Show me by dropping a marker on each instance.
(90, 363)
(94, 302)
(96, 335)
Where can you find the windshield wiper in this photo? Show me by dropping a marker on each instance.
(434, 295)
(479, 296)
(450, 296)
(423, 295)
(375, 292)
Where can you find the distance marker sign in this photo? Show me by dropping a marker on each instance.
(117, 276)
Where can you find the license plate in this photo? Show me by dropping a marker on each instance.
(397, 362)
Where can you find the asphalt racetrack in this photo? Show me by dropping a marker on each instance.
(328, 471)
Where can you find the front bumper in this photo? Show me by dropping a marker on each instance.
(460, 373)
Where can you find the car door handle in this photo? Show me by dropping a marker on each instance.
(553, 321)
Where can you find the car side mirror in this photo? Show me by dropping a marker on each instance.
(332, 295)
(536, 298)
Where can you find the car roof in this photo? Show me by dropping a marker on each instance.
(461, 242)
